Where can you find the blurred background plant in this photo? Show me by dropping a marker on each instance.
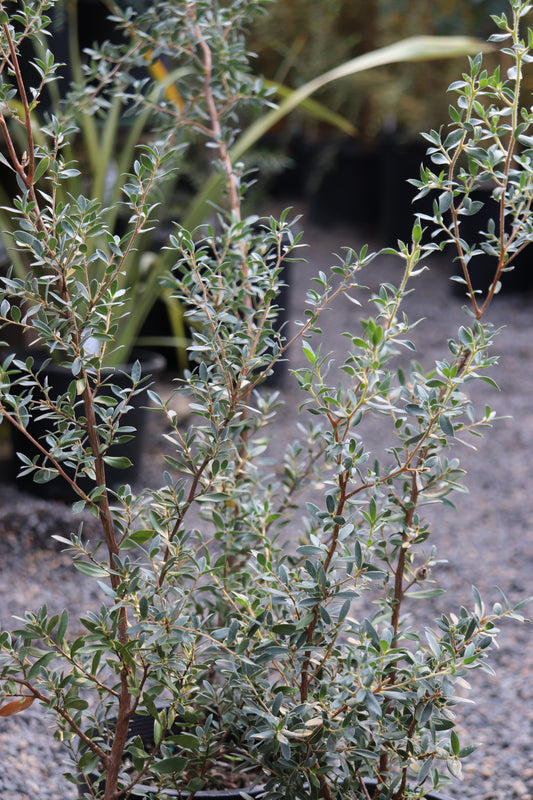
(385, 108)
(104, 127)
(103, 139)
(293, 46)
(104, 130)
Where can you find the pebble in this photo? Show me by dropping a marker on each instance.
(519, 789)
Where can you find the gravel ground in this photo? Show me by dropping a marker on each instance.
(488, 540)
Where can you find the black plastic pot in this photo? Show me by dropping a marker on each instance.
(371, 787)
(399, 162)
(257, 792)
(143, 726)
(519, 280)
(206, 794)
(59, 380)
(291, 182)
(361, 184)
(220, 794)
(345, 188)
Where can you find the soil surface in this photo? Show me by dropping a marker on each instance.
(487, 540)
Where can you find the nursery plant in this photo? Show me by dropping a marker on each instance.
(292, 48)
(264, 642)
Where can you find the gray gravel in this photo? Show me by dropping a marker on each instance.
(488, 541)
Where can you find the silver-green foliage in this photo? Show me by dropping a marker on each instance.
(227, 608)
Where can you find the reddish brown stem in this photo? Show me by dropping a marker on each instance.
(114, 760)
(64, 715)
(19, 166)
(402, 555)
(306, 677)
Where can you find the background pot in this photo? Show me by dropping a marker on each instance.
(59, 379)
(518, 280)
(400, 160)
(345, 189)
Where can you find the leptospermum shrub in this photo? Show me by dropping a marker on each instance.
(246, 656)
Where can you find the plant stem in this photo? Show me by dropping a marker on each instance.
(402, 555)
